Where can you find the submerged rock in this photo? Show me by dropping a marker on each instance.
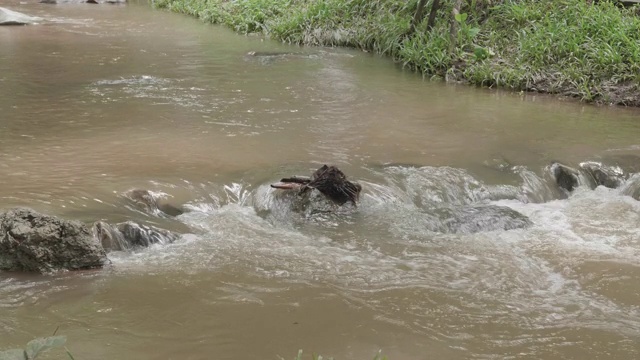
(631, 187)
(269, 57)
(628, 163)
(328, 180)
(604, 175)
(10, 17)
(590, 173)
(30, 241)
(471, 219)
(129, 235)
(146, 201)
(566, 177)
(272, 53)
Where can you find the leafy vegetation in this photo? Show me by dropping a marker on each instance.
(581, 48)
(594, 50)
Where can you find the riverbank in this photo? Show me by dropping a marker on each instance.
(570, 47)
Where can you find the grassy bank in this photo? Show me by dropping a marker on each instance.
(567, 47)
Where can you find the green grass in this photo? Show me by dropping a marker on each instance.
(563, 44)
(568, 47)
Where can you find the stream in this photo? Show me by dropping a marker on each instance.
(98, 100)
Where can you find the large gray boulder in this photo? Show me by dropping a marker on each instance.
(30, 241)
(10, 17)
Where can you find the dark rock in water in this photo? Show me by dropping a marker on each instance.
(590, 173)
(567, 178)
(129, 235)
(329, 181)
(144, 199)
(608, 176)
(270, 57)
(479, 218)
(628, 163)
(632, 187)
(30, 241)
(271, 53)
(10, 17)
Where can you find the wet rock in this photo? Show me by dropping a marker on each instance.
(566, 177)
(590, 174)
(130, 235)
(10, 17)
(30, 241)
(270, 57)
(604, 175)
(479, 218)
(631, 187)
(328, 180)
(148, 202)
(628, 163)
(271, 53)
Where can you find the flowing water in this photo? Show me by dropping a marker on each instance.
(98, 100)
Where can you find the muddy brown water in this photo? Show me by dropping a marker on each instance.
(98, 100)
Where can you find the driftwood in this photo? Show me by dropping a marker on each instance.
(328, 180)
